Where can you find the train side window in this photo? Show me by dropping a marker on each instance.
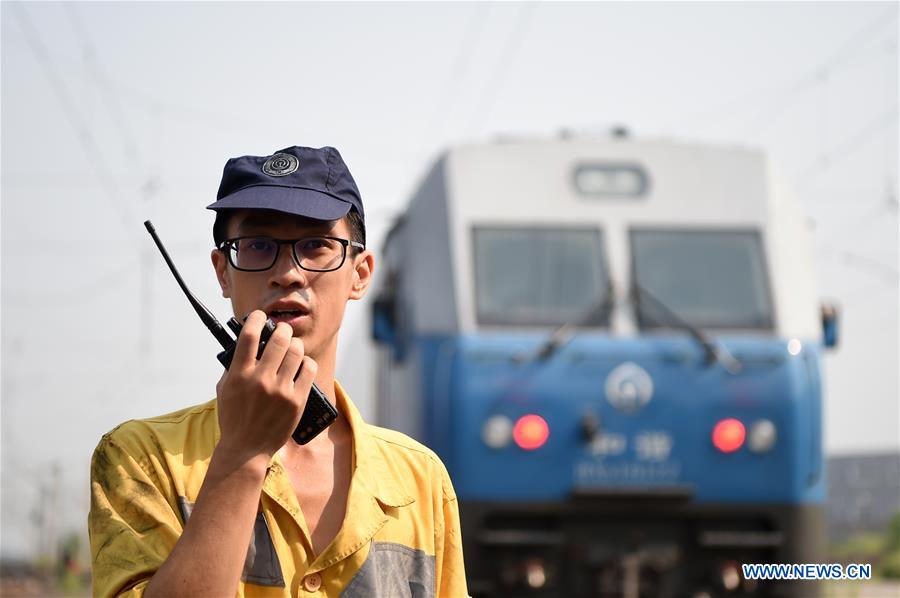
(387, 327)
(384, 311)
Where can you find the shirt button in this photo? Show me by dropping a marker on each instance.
(312, 582)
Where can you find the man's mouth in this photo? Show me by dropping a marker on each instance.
(285, 315)
(286, 310)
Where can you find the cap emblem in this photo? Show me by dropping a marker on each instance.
(281, 165)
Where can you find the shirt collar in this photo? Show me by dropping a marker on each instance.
(369, 465)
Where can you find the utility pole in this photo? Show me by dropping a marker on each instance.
(53, 516)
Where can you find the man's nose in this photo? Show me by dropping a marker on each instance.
(286, 271)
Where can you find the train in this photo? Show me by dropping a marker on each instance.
(615, 346)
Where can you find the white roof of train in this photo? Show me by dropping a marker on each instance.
(532, 182)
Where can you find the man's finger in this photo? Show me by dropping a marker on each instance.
(304, 382)
(291, 362)
(221, 383)
(248, 341)
(276, 347)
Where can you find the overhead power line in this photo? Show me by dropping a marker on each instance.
(82, 131)
(507, 57)
(86, 293)
(808, 79)
(845, 148)
(871, 266)
(447, 98)
(114, 107)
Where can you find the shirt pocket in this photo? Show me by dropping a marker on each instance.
(393, 570)
(261, 567)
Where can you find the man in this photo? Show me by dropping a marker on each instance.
(217, 499)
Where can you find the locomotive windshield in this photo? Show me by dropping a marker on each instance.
(538, 276)
(712, 279)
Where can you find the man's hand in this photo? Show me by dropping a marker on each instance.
(259, 402)
(259, 405)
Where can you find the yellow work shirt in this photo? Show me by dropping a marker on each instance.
(400, 535)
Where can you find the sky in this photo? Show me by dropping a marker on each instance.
(113, 113)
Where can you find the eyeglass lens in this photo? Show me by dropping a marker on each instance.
(312, 253)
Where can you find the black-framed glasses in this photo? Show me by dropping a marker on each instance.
(315, 254)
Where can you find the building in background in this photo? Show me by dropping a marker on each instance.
(863, 493)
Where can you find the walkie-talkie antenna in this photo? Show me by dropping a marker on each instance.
(205, 315)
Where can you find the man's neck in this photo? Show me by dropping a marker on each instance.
(320, 473)
(325, 360)
(336, 437)
(338, 433)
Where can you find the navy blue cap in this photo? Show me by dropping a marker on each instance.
(296, 180)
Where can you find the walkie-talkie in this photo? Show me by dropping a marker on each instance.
(318, 414)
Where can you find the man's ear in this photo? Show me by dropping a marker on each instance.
(220, 263)
(364, 266)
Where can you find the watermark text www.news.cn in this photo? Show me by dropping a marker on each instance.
(807, 571)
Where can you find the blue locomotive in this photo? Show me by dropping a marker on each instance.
(615, 346)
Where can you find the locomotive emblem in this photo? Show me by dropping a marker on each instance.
(629, 387)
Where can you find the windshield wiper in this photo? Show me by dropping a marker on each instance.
(715, 352)
(599, 309)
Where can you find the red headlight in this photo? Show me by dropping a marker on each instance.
(531, 432)
(728, 435)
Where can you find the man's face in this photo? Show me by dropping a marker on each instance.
(311, 302)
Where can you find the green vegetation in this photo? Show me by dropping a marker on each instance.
(888, 565)
(881, 550)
